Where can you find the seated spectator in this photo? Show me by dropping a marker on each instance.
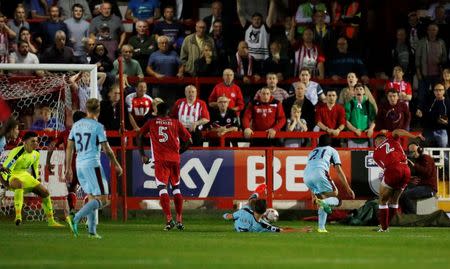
(131, 67)
(49, 28)
(46, 122)
(230, 90)
(397, 83)
(360, 115)
(223, 119)
(169, 27)
(348, 93)
(392, 114)
(299, 99)
(305, 12)
(5, 34)
(23, 56)
(345, 62)
(143, 44)
(276, 64)
(207, 65)
(192, 113)
(314, 91)
(423, 182)
(403, 54)
(143, 10)
(25, 35)
(66, 7)
(295, 124)
(272, 84)
(243, 64)
(435, 117)
(19, 21)
(264, 114)
(100, 57)
(164, 62)
(78, 32)
(110, 113)
(59, 52)
(309, 56)
(139, 106)
(330, 117)
(193, 45)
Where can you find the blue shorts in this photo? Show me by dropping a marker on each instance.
(92, 180)
(318, 181)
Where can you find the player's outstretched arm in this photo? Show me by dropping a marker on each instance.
(401, 132)
(107, 149)
(343, 180)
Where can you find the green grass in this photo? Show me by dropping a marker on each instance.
(211, 243)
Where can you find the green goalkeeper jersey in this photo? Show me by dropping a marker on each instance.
(20, 160)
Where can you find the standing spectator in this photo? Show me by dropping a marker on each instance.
(309, 56)
(108, 29)
(431, 54)
(19, 21)
(392, 114)
(96, 6)
(314, 91)
(222, 44)
(80, 86)
(264, 114)
(100, 58)
(192, 113)
(403, 87)
(5, 34)
(131, 67)
(143, 44)
(110, 113)
(48, 28)
(446, 80)
(216, 15)
(324, 35)
(46, 122)
(169, 27)
(415, 29)
(257, 33)
(441, 21)
(276, 63)
(360, 115)
(423, 182)
(164, 62)
(78, 32)
(295, 124)
(403, 54)
(348, 92)
(23, 56)
(435, 118)
(223, 119)
(330, 117)
(207, 65)
(228, 89)
(144, 10)
(250, 7)
(306, 11)
(243, 64)
(66, 7)
(59, 52)
(139, 106)
(193, 46)
(25, 35)
(299, 99)
(272, 84)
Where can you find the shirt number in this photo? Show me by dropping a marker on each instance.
(83, 143)
(162, 132)
(315, 153)
(387, 147)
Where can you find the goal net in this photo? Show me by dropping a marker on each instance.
(44, 104)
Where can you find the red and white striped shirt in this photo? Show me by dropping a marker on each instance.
(400, 86)
(189, 113)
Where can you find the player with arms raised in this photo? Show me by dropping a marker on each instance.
(389, 156)
(165, 135)
(86, 136)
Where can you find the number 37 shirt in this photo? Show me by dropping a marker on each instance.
(165, 133)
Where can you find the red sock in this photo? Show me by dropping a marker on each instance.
(393, 210)
(178, 199)
(383, 215)
(72, 200)
(165, 204)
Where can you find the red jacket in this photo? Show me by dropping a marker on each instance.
(233, 92)
(261, 116)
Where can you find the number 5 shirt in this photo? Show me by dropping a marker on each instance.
(165, 133)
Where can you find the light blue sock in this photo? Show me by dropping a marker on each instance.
(333, 201)
(92, 223)
(322, 218)
(86, 210)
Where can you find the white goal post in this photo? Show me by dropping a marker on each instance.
(91, 68)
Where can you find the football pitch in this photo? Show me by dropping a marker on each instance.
(212, 243)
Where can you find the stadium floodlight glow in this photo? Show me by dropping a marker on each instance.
(91, 68)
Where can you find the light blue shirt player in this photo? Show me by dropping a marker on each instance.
(316, 175)
(244, 221)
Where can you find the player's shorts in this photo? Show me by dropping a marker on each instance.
(28, 181)
(166, 172)
(397, 176)
(318, 181)
(92, 180)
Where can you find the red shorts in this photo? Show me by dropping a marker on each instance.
(166, 172)
(397, 176)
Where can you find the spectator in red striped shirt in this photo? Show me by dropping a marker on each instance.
(192, 113)
(229, 89)
(397, 83)
(264, 114)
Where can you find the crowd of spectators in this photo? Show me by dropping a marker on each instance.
(245, 44)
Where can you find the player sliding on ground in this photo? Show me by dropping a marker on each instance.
(20, 160)
(87, 135)
(389, 156)
(317, 179)
(166, 134)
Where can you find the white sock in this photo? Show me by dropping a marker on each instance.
(333, 201)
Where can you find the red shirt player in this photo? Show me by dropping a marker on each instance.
(165, 135)
(389, 156)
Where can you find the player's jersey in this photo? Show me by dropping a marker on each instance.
(320, 159)
(87, 134)
(244, 221)
(165, 133)
(21, 160)
(389, 152)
